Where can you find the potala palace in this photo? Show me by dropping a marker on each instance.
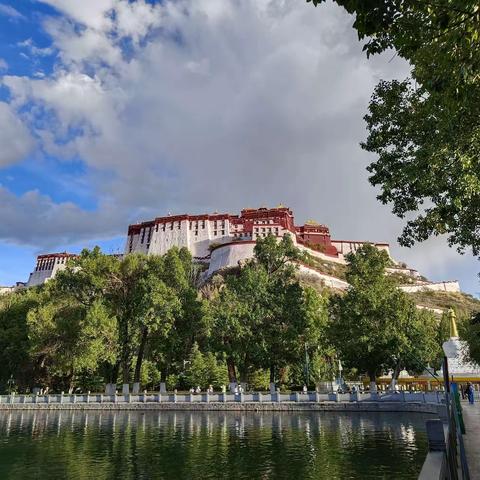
(222, 240)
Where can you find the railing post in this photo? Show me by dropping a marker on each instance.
(317, 397)
(278, 396)
(74, 398)
(207, 397)
(297, 397)
(144, 396)
(101, 398)
(260, 397)
(88, 396)
(174, 396)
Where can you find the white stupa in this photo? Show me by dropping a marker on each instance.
(459, 367)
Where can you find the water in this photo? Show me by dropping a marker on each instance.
(210, 445)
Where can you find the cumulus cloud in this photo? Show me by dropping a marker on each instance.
(3, 64)
(194, 105)
(39, 221)
(15, 139)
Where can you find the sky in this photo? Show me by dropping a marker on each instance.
(117, 111)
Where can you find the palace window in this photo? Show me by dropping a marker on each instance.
(223, 232)
(215, 233)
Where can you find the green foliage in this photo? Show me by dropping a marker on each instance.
(205, 370)
(259, 379)
(263, 318)
(15, 365)
(374, 325)
(469, 331)
(425, 130)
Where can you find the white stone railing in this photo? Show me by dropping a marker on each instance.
(256, 397)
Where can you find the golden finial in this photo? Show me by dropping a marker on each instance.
(453, 325)
(311, 222)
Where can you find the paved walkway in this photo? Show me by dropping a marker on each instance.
(471, 439)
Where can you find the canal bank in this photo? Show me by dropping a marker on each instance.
(430, 408)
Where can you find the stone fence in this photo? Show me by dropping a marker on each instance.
(220, 398)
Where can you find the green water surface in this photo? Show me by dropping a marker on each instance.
(210, 445)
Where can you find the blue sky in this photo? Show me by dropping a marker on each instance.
(114, 111)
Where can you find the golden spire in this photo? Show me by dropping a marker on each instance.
(453, 324)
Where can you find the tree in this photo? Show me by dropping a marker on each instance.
(374, 326)
(470, 332)
(232, 314)
(67, 339)
(16, 368)
(262, 318)
(134, 292)
(204, 370)
(426, 129)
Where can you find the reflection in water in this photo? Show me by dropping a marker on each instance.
(204, 445)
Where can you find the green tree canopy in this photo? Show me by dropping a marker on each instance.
(263, 318)
(374, 326)
(425, 129)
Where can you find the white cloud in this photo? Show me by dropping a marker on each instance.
(15, 139)
(39, 221)
(194, 105)
(9, 11)
(34, 50)
(3, 64)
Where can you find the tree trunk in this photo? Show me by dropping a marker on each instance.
(395, 374)
(232, 373)
(373, 384)
(114, 373)
(126, 352)
(140, 354)
(164, 374)
(272, 373)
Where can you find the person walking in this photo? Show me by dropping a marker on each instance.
(470, 393)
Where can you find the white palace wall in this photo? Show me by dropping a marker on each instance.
(230, 255)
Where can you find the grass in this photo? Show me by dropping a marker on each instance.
(463, 304)
(334, 269)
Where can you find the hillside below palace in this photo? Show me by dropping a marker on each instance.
(223, 240)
